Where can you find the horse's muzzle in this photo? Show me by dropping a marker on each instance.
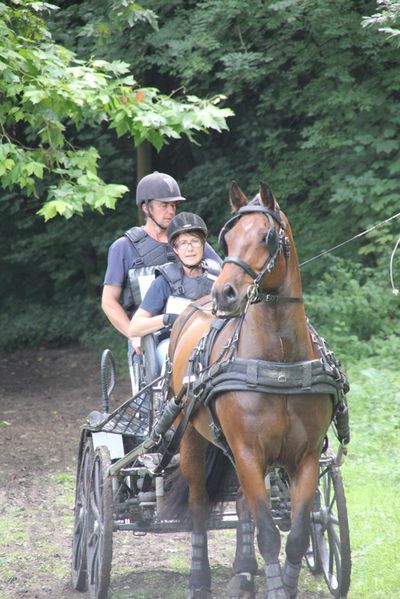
(226, 301)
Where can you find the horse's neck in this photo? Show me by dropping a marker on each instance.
(278, 331)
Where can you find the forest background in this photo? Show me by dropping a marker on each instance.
(310, 92)
(314, 88)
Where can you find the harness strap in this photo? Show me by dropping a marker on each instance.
(239, 374)
(255, 296)
(242, 264)
(173, 445)
(192, 398)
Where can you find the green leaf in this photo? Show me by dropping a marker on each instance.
(51, 93)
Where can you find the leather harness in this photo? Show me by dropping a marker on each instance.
(205, 380)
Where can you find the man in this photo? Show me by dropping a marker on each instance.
(139, 251)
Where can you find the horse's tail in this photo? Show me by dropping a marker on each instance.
(219, 471)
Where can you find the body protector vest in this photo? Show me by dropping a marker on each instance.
(191, 288)
(150, 254)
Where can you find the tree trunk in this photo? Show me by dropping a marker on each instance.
(143, 167)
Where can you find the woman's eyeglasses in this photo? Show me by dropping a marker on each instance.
(183, 245)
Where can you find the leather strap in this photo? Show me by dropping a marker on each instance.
(242, 264)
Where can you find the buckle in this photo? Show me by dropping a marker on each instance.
(252, 293)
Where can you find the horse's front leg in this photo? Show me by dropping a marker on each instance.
(251, 477)
(302, 491)
(241, 585)
(192, 465)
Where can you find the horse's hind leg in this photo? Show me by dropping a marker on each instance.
(241, 585)
(192, 465)
(303, 486)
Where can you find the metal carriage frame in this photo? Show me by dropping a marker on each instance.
(120, 487)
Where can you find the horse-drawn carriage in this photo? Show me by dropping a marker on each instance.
(242, 409)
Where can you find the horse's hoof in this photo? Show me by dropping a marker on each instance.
(241, 586)
(201, 593)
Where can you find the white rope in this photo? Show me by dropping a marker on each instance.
(395, 291)
(352, 239)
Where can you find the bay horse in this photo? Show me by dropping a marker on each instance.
(258, 296)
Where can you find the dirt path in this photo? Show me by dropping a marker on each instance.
(45, 396)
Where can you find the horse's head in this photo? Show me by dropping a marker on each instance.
(256, 245)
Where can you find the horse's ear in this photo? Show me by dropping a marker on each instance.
(237, 197)
(267, 197)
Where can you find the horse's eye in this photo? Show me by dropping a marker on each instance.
(272, 241)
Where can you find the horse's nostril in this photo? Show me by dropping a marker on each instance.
(229, 292)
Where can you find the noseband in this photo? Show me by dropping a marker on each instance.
(276, 242)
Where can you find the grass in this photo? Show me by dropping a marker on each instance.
(372, 481)
(12, 527)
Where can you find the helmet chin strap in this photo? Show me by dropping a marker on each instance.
(149, 214)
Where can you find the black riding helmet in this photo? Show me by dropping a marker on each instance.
(158, 186)
(186, 222)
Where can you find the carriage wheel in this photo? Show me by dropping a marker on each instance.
(79, 561)
(100, 525)
(312, 556)
(330, 540)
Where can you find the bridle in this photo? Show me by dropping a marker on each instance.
(276, 242)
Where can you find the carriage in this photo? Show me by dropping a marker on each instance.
(127, 459)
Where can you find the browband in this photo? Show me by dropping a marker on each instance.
(257, 208)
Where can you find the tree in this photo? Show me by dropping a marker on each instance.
(386, 20)
(48, 93)
(315, 96)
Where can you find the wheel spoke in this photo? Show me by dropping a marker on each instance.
(93, 545)
(95, 511)
(334, 536)
(330, 526)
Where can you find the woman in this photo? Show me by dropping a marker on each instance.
(191, 278)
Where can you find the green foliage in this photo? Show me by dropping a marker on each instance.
(57, 325)
(46, 90)
(354, 314)
(315, 95)
(315, 99)
(387, 20)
